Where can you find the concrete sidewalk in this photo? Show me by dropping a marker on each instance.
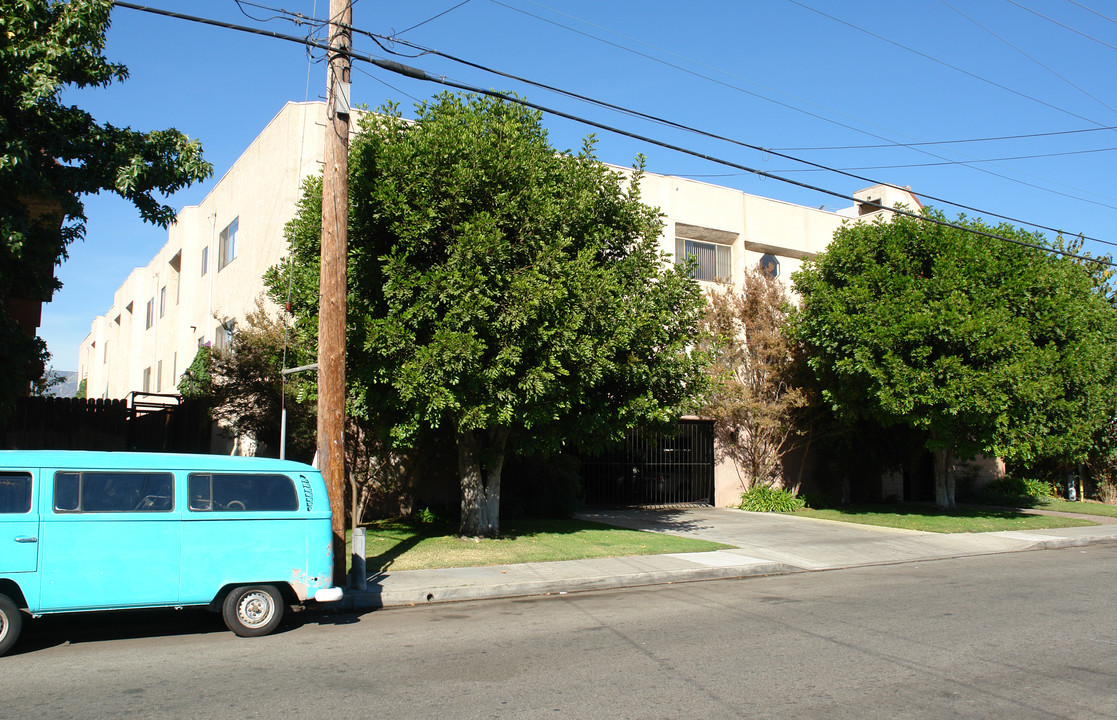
(763, 544)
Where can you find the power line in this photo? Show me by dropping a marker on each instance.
(913, 146)
(430, 19)
(295, 17)
(388, 85)
(1089, 10)
(1063, 25)
(700, 75)
(955, 68)
(1037, 62)
(1036, 156)
(817, 166)
(1025, 136)
(419, 74)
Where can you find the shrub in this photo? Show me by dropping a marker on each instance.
(762, 498)
(819, 501)
(426, 516)
(1014, 492)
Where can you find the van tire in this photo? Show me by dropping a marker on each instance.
(253, 610)
(11, 622)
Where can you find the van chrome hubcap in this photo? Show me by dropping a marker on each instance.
(255, 609)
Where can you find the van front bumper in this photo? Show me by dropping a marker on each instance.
(328, 595)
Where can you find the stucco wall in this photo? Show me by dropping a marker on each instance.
(260, 192)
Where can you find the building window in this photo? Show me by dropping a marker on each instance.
(147, 380)
(715, 261)
(205, 260)
(159, 376)
(223, 335)
(228, 245)
(150, 313)
(162, 301)
(770, 265)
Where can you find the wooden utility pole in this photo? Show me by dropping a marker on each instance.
(332, 286)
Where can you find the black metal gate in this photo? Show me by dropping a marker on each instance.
(655, 468)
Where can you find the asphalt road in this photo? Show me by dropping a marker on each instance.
(1023, 635)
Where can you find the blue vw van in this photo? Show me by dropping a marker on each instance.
(86, 531)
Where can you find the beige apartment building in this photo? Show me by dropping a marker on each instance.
(208, 275)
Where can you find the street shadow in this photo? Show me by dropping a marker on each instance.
(669, 520)
(76, 628)
(87, 627)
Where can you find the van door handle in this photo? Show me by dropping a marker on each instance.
(26, 539)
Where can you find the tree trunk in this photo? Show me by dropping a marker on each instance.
(944, 483)
(480, 461)
(806, 453)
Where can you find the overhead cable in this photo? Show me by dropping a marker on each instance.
(955, 68)
(913, 146)
(1025, 136)
(419, 74)
(714, 136)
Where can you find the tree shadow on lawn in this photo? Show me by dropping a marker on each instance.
(380, 563)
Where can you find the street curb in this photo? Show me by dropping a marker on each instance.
(435, 592)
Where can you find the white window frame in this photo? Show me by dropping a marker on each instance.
(227, 249)
(720, 254)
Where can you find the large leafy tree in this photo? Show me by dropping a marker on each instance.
(52, 154)
(985, 346)
(500, 291)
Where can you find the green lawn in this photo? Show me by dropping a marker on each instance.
(400, 545)
(931, 519)
(1082, 508)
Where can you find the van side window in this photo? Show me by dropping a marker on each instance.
(218, 492)
(113, 492)
(15, 492)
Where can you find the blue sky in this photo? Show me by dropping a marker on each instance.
(816, 79)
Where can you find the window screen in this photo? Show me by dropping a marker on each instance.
(215, 492)
(15, 492)
(113, 492)
(714, 260)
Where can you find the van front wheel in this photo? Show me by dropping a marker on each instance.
(253, 610)
(10, 623)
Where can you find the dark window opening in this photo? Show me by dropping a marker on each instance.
(113, 492)
(15, 493)
(214, 492)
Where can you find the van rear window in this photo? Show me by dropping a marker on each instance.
(113, 492)
(218, 492)
(15, 493)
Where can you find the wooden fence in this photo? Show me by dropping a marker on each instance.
(73, 424)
